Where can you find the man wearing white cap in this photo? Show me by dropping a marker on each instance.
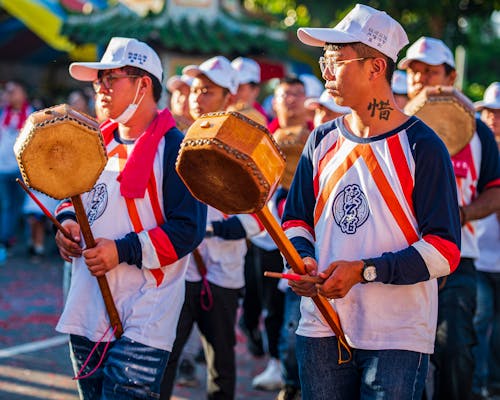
(248, 73)
(179, 87)
(325, 109)
(214, 276)
(145, 222)
(489, 108)
(371, 217)
(429, 62)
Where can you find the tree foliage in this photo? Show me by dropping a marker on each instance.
(457, 22)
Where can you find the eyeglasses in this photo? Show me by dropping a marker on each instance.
(332, 64)
(107, 81)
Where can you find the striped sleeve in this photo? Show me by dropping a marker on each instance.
(185, 216)
(437, 252)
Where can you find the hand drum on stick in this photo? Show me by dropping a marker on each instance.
(448, 112)
(61, 153)
(234, 165)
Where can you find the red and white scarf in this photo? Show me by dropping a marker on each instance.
(137, 171)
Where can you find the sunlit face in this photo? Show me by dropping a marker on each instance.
(206, 97)
(346, 77)
(179, 101)
(420, 75)
(114, 97)
(491, 117)
(289, 100)
(247, 93)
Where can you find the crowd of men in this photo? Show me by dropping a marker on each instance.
(401, 236)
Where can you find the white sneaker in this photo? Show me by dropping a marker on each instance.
(270, 378)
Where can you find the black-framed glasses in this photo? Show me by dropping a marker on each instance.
(106, 81)
(332, 64)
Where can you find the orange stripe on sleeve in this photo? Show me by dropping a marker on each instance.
(134, 215)
(389, 196)
(153, 198)
(402, 169)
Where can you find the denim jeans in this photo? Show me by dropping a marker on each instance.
(455, 336)
(290, 370)
(487, 324)
(129, 370)
(370, 375)
(11, 205)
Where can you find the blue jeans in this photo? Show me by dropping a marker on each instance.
(370, 375)
(487, 324)
(455, 335)
(11, 205)
(290, 370)
(129, 370)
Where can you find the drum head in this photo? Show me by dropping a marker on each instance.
(230, 163)
(60, 154)
(448, 112)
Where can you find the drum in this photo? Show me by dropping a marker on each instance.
(230, 162)
(291, 141)
(448, 112)
(60, 152)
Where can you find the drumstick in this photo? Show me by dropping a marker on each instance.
(294, 277)
(47, 213)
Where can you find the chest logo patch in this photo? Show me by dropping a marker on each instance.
(98, 202)
(350, 209)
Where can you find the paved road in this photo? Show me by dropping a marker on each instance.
(34, 358)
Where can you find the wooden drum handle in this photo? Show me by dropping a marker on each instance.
(114, 317)
(295, 260)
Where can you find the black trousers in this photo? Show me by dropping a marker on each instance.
(263, 293)
(218, 337)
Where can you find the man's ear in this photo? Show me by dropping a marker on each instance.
(452, 76)
(378, 67)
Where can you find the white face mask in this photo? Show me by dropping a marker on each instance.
(125, 116)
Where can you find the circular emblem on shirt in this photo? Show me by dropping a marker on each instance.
(350, 209)
(98, 201)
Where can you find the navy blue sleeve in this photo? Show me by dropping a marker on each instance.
(186, 217)
(229, 229)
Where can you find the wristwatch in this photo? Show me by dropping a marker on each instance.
(369, 272)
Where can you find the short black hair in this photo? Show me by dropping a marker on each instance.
(157, 86)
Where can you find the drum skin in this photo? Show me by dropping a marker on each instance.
(60, 152)
(230, 162)
(448, 112)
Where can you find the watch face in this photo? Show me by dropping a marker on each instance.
(370, 273)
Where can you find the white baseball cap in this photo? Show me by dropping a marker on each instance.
(218, 69)
(120, 52)
(327, 101)
(313, 86)
(491, 98)
(247, 69)
(176, 81)
(362, 24)
(398, 83)
(428, 50)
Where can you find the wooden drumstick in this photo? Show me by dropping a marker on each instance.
(294, 277)
(47, 213)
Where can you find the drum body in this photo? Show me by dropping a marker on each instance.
(60, 152)
(230, 162)
(448, 112)
(291, 141)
